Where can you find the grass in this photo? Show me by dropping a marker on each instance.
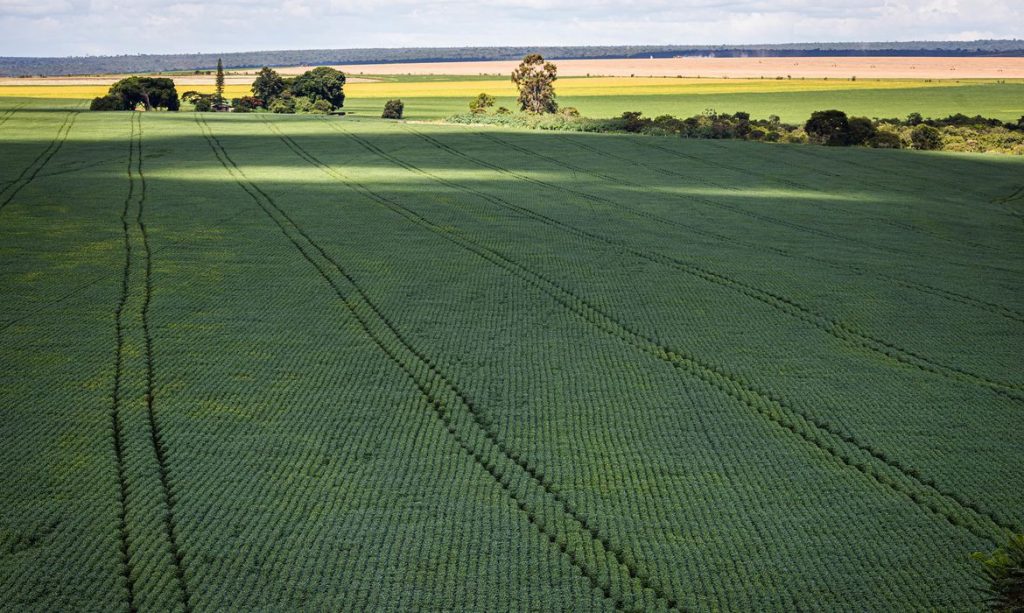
(271, 362)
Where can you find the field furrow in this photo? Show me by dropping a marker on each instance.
(954, 508)
(148, 525)
(603, 565)
(885, 348)
(272, 362)
(40, 162)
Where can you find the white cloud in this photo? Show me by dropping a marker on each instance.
(28, 27)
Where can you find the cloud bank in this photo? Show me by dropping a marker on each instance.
(84, 27)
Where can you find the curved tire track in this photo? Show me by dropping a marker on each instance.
(520, 481)
(841, 446)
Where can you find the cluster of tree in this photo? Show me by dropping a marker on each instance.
(20, 66)
(535, 80)
(483, 102)
(708, 125)
(832, 128)
(127, 94)
(317, 91)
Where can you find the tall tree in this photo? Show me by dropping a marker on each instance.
(535, 79)
(268, 85)
(220, 81)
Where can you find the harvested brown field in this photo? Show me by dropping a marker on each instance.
(179, 80)
(754, 67)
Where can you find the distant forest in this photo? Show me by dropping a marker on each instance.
(53, 66)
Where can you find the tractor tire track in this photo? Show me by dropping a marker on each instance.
(841, 446)
(1007, 203)
(148, 560)
(931, 180)
(156, 438)
(98, 279)
(991, 307)
(116, 395)
(959, 242)
(799, 227)
(520, 481)
(6, 115)
(887, 350)
(714, 203)
(30, 172)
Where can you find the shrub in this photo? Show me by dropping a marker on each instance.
(630, 121)
(828, 127)
(107, 103)
(925, 138)
(320, 107)
(860, 131)
(246, 104)
(1004, 570)
(284, 105)
(569, 111)
(393, 109)
(480, 104)
(501, 110)
(670, 124)
(884, 139)
(796, 136)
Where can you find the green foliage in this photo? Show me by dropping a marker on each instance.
(268, 85)
(109, 102)
(1003, 570)
(321, 83)
(860, 130)
(481, 103)
(246, 104)
(926, 138)
(306, 106)
(885, 139)
(393, 109)
(219, 83)
(283, 105)
(828, 128)
(535, 78)
(151, 92)
(202, 103)
(321, 107)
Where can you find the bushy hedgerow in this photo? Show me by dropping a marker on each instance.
(954, 133)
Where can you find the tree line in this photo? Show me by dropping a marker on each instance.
(57, 66)
(320, 90)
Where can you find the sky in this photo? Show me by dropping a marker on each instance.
(107, 27)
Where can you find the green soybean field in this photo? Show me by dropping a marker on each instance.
(264, 362)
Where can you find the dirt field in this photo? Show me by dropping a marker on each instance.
(769, 67)
(179, 80)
